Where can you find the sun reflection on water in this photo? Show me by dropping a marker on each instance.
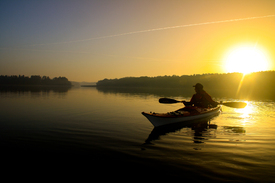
(246, 113)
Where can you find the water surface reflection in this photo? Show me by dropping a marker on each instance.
(106, 129)
(34, 89)
(199, 128)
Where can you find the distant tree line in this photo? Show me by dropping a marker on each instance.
(254, 85)
(210, 80)
(33, 80)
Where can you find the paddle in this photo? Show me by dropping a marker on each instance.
(228, 104)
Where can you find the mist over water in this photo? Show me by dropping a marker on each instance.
(104, 128)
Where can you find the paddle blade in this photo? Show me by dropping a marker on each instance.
(167, 101)
(235, 104)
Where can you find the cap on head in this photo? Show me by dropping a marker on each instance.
(198, 86)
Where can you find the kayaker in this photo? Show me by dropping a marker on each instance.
(201, 98)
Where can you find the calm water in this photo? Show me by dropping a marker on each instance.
(106, 133)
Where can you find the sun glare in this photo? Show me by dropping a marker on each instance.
(246, 112)
(246, 59)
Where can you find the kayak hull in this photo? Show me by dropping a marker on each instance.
(181, 115)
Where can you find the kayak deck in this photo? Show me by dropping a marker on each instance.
(181, 115)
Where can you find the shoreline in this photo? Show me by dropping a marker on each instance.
(88, 85)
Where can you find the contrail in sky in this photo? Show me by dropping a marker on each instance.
(179, 26)
(159, 29)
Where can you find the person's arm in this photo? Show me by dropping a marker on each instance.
(209, 99)
(192, 101)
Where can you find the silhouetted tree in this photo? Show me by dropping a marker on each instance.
(33, 80)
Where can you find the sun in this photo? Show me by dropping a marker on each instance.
(246, 59)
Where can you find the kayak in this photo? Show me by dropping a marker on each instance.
(182, 115)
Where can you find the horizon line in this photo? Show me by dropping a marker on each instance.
(149, 76)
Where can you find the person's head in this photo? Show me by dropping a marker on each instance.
(198, 87)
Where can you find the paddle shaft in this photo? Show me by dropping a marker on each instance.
(228, 104)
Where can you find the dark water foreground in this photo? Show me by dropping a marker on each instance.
(85, 133)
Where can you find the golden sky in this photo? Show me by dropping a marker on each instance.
(93, 40)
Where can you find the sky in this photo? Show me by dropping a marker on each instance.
(89, 40)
